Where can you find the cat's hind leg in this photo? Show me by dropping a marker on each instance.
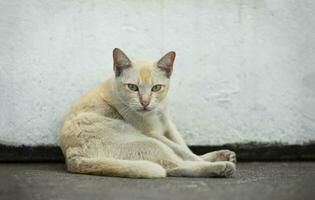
(158, 162)
(113, 167)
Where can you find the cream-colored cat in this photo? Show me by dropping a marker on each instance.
(121, 128)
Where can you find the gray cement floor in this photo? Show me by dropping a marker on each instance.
(253, 181)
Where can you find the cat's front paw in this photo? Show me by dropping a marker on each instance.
(227, 155)
(221, 155)
(228, 169)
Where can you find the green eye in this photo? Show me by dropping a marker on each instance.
(133, 87)
(156, 88)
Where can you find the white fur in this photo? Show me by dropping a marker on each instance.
(106, 133)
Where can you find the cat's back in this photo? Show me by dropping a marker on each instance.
(94, 101)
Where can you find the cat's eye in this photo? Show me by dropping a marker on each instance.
(133, 87)
(156, 88)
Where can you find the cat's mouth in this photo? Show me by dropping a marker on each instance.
(144, 110)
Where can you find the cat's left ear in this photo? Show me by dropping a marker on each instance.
(166, 63)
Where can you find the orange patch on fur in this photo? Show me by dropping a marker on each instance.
(145, 75)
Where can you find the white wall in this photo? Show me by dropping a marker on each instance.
(248, 66)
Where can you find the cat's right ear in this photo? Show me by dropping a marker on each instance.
(121, 61)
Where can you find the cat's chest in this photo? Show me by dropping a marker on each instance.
(152, 123)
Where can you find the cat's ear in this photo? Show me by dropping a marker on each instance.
(166, 63)
(121, 61)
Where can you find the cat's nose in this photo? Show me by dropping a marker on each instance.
(145, 103)
(145, 100)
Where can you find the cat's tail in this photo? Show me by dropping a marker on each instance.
(115, 167)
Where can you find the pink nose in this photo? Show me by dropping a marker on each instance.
(145, 100)
(145, 103)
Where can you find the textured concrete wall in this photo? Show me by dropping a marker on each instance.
(244, 71)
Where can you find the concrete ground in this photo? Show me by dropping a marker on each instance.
(253, 181)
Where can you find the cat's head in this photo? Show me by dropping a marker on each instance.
(142, 86)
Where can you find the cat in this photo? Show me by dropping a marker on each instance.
(121, 128)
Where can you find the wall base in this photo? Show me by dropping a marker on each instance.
(245, 152)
